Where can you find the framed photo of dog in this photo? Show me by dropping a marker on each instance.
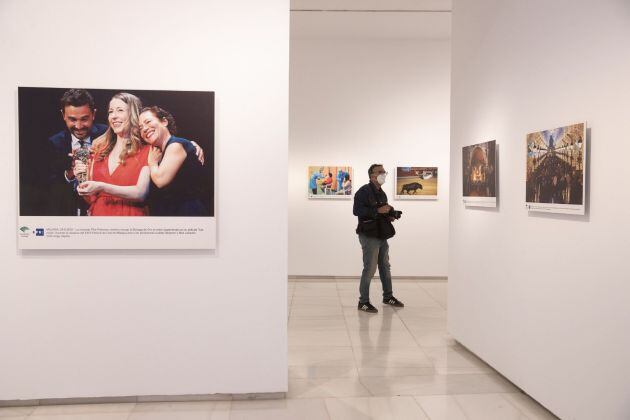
(416, 183)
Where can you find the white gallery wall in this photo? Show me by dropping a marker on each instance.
(119, 323)
(368, 88)
(544, 298)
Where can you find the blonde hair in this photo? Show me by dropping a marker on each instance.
(105, 143)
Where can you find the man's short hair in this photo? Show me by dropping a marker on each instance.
(374, 165)
(77, 97)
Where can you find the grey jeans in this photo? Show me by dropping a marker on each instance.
(375, 253)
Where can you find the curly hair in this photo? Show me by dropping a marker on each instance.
(162, 114)
(105, 144)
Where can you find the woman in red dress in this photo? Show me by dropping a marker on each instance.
(119, 173)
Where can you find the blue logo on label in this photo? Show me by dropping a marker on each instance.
(39, 231)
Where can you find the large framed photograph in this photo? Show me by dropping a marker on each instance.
(479, 174)
(329, 182)
(416, 183)
(556, 162)
(115, 169)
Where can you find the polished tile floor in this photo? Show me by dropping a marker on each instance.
(345, 364)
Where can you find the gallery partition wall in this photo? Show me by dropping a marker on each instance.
(115, 322)
(541, 296)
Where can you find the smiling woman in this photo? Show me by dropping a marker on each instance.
(175, 168)
(119, 173)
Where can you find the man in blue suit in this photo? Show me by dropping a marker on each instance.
(78, 111)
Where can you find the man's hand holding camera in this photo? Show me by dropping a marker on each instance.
(384, 209)
(388, 210)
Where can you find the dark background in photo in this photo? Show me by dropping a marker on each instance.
(40, 118)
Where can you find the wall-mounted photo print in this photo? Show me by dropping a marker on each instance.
(330, 182)
(115, 168)
(479, 174)
(416, 182)
(556, 161)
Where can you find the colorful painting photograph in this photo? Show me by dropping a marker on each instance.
(416, 182)
(479, 173)
(555, 169)
(330, 182)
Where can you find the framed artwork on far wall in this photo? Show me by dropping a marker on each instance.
(416, 183)
(556, 162)
(479, 174)
(329, 182)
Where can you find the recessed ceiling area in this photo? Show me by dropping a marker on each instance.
(408, 5)
(370, 19)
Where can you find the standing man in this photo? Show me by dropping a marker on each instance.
(78, 112)
(375, 215)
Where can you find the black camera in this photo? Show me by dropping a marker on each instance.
(395, 213)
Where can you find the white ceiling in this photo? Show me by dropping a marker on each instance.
(370, 19)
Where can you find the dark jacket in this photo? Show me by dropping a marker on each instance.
(62, 198)
(366, 200)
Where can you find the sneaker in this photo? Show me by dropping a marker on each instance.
(394, 302)
(367, 307)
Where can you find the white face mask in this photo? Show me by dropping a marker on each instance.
(381, 179)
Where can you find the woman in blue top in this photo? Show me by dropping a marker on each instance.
(175, 169)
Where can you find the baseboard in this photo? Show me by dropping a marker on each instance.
(144, 398)
(323, 279)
